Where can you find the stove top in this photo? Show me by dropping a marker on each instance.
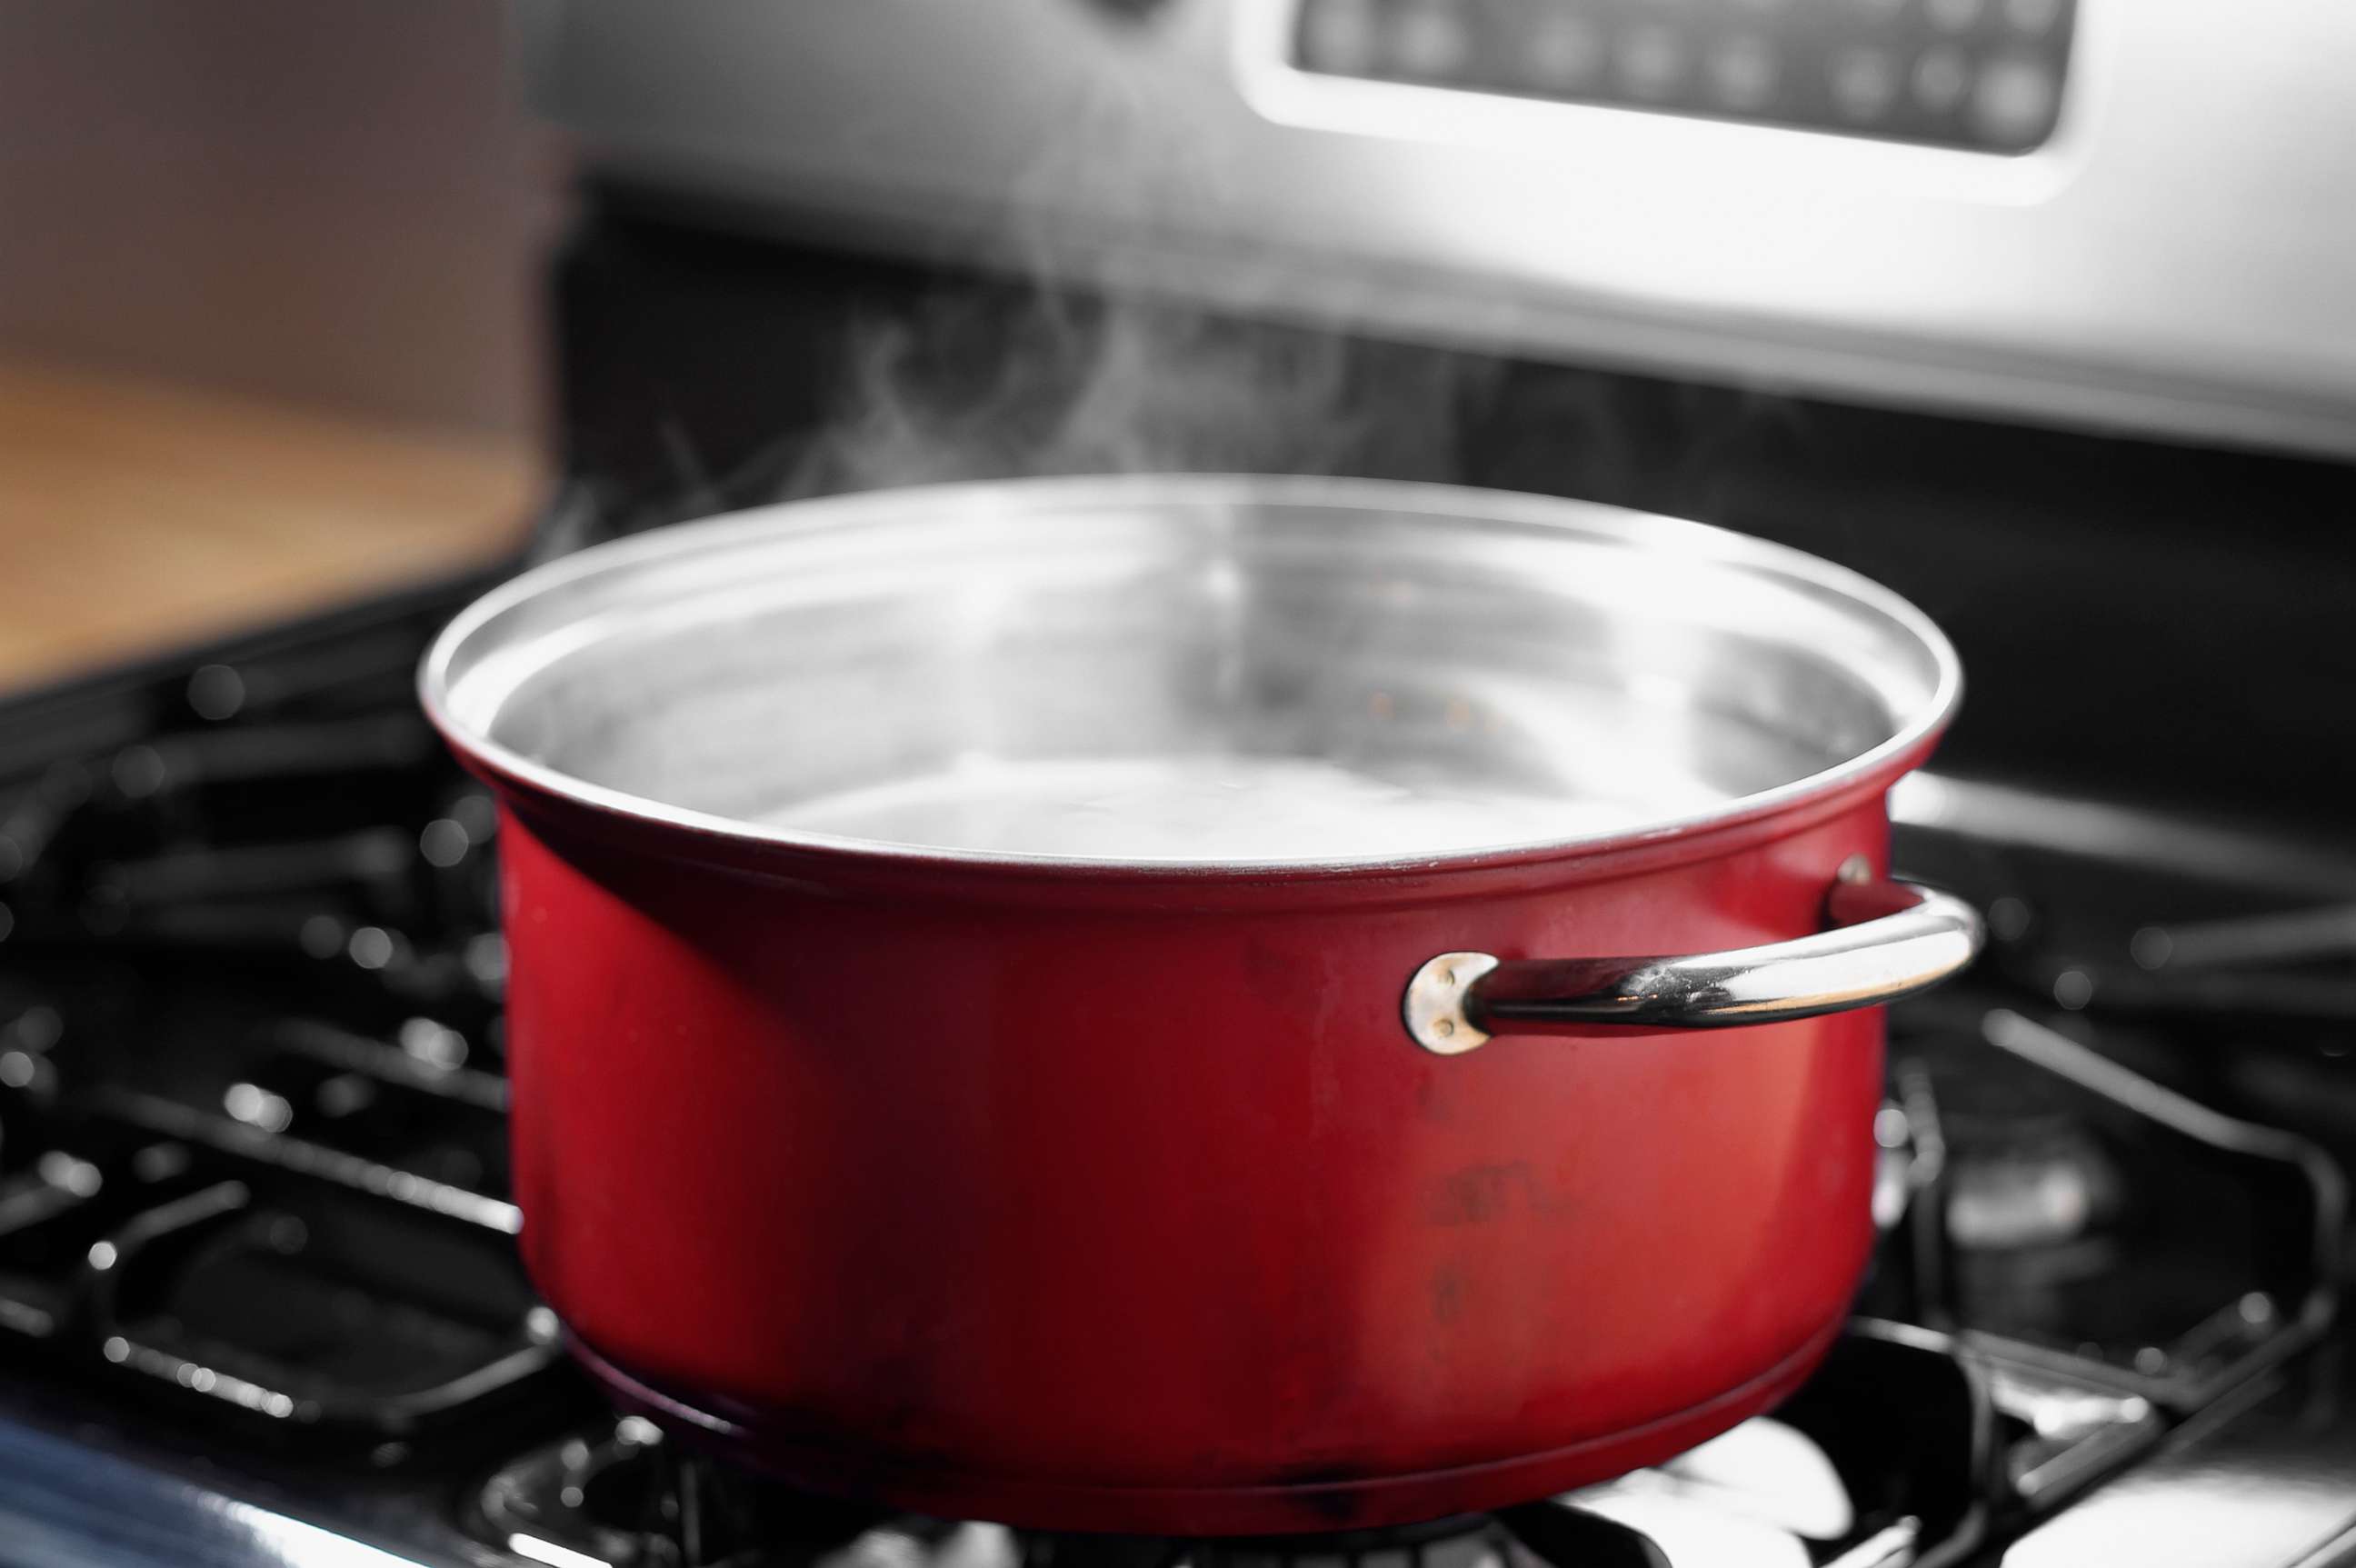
(260, 1304)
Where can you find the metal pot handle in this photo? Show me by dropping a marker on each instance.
(1889, 939)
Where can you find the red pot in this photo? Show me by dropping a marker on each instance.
(878, 1121)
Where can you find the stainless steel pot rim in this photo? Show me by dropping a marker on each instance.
(1468, 504)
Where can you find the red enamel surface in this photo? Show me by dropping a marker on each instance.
(1091, 1202)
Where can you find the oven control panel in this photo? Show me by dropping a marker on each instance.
(1981, 75)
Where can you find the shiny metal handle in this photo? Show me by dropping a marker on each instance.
(1889, 939)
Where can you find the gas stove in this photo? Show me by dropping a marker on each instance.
(260, 1302)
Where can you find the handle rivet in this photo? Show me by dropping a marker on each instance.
(1434, 1007)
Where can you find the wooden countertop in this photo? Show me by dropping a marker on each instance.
(135, 516)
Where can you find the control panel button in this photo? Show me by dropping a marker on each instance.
(1430, 39)
(1563, 50)
(1942, 76)
(1742, 69)
(2033, 16)
(1954, 16)
(1652, 60)
(1344, 36)
(1864, 82)
(2015, 100)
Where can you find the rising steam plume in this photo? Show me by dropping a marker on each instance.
(1061, 372)
(1000, 383)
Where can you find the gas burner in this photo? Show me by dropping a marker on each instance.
(622, 1496)
(2092, 1222)
(1470, 1541)
(1877, 1460)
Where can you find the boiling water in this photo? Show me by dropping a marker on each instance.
(1212, 808)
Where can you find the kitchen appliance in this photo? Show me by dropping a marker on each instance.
(2128, 213)
(259, 1302)
(905, 821)
(252, 1030)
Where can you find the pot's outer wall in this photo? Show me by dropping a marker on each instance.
(1153, 1218)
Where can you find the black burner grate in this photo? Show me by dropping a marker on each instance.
(255, 1206)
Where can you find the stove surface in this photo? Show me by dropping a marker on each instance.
(260, 1304)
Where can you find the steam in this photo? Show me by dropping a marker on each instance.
(997, 383)
(1064, 372)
